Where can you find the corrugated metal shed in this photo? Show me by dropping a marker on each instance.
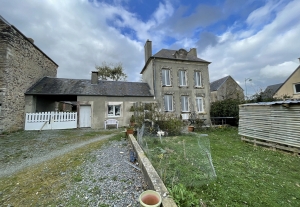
(276, 122)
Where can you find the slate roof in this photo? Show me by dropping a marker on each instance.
(271, 90)
(215, 85)
(83, 87)
(169, 54)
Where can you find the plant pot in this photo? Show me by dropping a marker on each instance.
(191, 128)
(150, 198)
(129, 131)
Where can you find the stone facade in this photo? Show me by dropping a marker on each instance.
(229, 89)
(178, 89)
(21, 65)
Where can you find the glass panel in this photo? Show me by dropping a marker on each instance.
(118, 110)
(199, 104)
(168, 103)
(166, 77)
(182, 78)
(110, 111)
(197, 76)
(184, 103)
(297, 88)
(163, 76)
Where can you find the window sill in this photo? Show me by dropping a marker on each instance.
(199, 87)
(183, 86)
(202, 113)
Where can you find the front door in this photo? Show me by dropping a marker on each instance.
(85, 116)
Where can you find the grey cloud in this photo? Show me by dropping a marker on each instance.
(206, 39)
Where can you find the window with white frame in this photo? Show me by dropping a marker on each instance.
(168, 102)
(184, 103)
(197, 77)
(182, 78)
(199, 104)
(166, 79)
(113, 110)
(297, 87)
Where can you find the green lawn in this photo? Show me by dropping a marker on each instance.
(246, 175)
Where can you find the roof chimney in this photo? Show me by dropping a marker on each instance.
(299, 60)
(193, 52)
(94, 79)
(148, 50)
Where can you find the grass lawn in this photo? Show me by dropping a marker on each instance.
(246, 175)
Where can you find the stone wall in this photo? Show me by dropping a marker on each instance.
(21, 65)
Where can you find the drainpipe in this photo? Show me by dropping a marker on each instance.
(154, 78)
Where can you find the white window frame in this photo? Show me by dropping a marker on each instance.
(295, 91)
(197, 77)
(166, 77)
(182, 78)
(115, 110)
(200, 108)
(168, 102)
(184, 103)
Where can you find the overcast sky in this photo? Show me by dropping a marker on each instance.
(247, 39)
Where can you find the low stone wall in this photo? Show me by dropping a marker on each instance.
(150, 175)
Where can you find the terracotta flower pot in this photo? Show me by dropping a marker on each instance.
(150, 198)
(129, 131)
(190, 128)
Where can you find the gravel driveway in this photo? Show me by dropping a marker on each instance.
(107, 180)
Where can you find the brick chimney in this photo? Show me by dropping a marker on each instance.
(193, 52)
(148, 50)
(94, 78)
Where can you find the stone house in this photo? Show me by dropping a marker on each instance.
(291, 87)
(22, 64)
(97, 100)
(225, 88)
(179, 81)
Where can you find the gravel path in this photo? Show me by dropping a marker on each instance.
(108, 180)
(41, 156)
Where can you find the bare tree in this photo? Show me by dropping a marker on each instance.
(111, 71)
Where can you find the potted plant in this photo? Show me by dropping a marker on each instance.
(129, 130)
(191, 128)
(192, 119)
(132, 120)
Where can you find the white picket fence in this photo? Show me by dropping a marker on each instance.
(50, 120)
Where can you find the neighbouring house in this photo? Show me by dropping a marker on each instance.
(97, 100)
(270, 91)
(22, 64)
(179, 81)
(290, 89)
(225, 88)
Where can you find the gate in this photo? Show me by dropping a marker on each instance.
(50, 120)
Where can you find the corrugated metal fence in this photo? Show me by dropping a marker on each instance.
(276, 122)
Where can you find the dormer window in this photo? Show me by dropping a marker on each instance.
(166, 80)
(181, 54)
(182, 78)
